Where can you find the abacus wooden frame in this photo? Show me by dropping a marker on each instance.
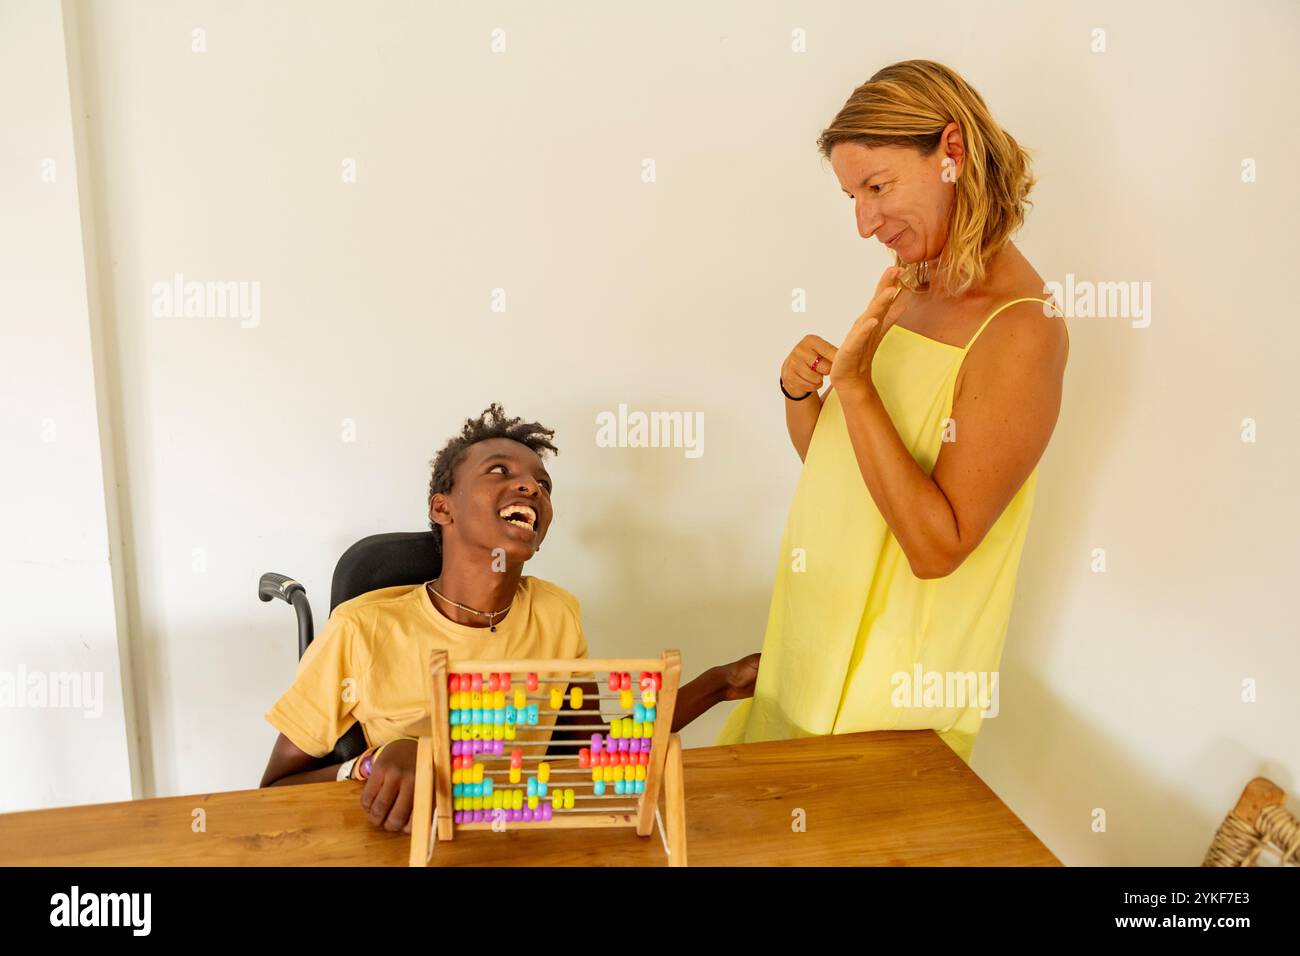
(431, 818)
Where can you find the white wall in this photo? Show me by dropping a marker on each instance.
(60, 627)
(521, 170)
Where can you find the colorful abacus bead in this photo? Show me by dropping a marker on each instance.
(598, 788)
(625, 681)
(595, 743)
(543, 772)
(546, 811)
(521, 701)
(557, 697)
(532, 682)
(625, 699)
(505, 682)
(476, 682)
(534, 715)
(494, 683)
(453, 683)
(647, 681)
(568, 799)
(659, 681)
(584, 758)
(575, 698)
(613, 681)
(515, 775)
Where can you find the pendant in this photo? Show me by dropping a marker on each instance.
(493, 628)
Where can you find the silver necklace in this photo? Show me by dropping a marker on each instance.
(490, 615)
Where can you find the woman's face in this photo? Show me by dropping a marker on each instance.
(500, 498)
(900, 197)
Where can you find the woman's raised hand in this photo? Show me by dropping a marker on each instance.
(852, 367)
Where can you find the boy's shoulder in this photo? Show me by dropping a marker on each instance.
(546, 592)
(376, 603)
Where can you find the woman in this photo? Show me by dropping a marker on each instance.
(898, 563)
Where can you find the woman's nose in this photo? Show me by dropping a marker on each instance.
(868, 222)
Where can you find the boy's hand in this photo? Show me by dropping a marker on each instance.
(389, 793)
(740, 678)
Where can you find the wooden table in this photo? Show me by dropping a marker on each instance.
(874, 799)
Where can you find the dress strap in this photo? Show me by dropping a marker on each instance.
(981, 329)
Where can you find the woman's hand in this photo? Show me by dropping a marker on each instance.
(851, 370)
(389, 793)
(806, 365)
(739, 677)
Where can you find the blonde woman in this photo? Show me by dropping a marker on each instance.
(898, 564)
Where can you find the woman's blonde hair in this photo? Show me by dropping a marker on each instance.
(909, 104)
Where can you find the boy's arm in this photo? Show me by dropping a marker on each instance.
(289, 765)
(733, 681)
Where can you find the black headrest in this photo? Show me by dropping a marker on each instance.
(384, 561)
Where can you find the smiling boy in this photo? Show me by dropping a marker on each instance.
(490, 509)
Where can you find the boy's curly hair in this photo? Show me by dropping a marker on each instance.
(493, 423)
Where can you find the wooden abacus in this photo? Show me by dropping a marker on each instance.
(455, 791)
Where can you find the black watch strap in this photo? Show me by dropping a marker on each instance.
(791, 397)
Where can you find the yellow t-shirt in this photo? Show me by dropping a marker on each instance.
(367, 664)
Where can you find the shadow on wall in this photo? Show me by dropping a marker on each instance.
(1047, 749)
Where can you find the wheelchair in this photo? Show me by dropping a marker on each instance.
(378, 561)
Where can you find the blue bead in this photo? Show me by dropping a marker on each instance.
(599, 788)
(510, 715)
(541, 788)
(487, 786)
(532, 786)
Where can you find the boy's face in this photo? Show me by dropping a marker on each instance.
(500, 498)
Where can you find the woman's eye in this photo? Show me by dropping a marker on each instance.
(495, 467)
(877, 187)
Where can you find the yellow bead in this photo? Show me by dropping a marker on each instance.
(648, 698)
(609, 774)
(543, 773)
(640, 771)
(625, 699)
(456, 776)
(498, 799)
(478, 773)
(575, 698)
(499, 699)
(627, 727)
(518, 801)
(458, 803)
(455, 732)
(616, 728)
(510, 731)
(568, 799)
(532, 803)
(498, 731)
(557, 799)
(618, 772)
(476, 699)
(595, 773)
(648, 728)
(636, 728)
(557, 697)
(476, 803)
(521, 700)
(514, 774)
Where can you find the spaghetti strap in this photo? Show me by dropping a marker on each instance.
(981, 329)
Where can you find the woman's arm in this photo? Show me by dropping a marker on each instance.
(1002, 421)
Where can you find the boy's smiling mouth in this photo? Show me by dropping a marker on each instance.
(520, 515)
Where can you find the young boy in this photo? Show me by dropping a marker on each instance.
(489, 508)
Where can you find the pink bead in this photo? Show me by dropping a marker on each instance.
(528, 815)
(595, 743)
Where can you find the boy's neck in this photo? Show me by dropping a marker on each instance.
(473, 583)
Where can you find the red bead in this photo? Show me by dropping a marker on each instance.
(624, 758)
(505, 683)
(584, 758)
(659, 681)
(532, 681)
(476, 682)
(494, 683)
(604, 758)
(643, 757)
(647, 681)
(625, 681)
(613, 680)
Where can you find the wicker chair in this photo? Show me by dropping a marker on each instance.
(1259, 822)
